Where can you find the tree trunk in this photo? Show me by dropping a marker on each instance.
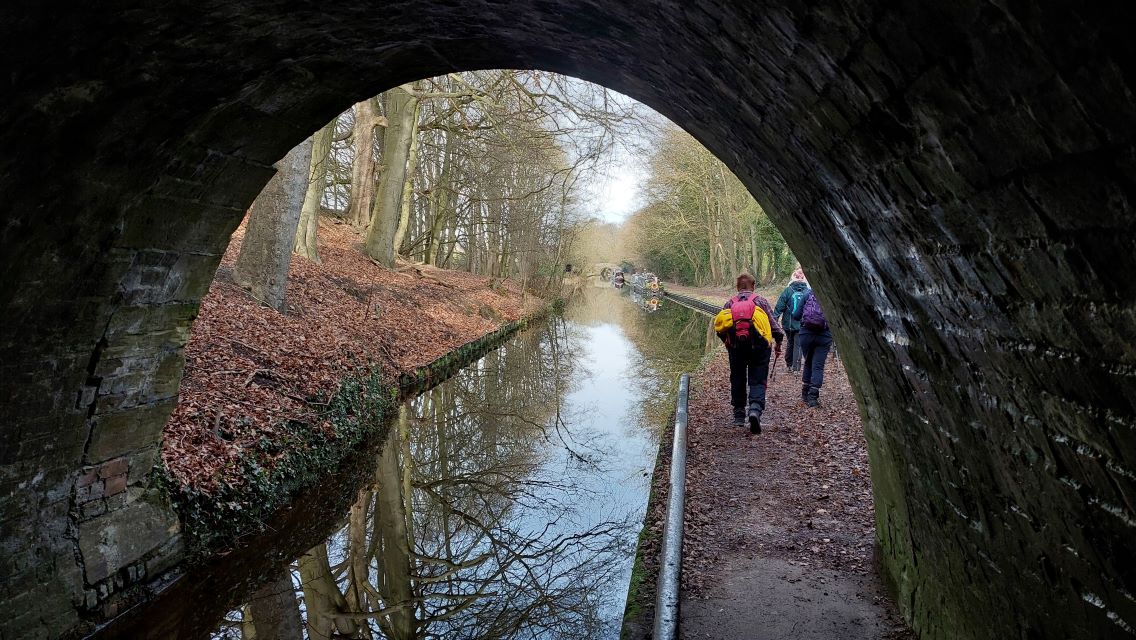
(274, 610)
(357, 552)
(322, 598)
(753, 262)
(363, 166)
(712, 237)
(453, 245)
(493, 232)
(407, 187)
(503, 262)
(440, 202)
(401, 107)
(262, 264)
(306, 233)
(394, 543)
(471, 253)
(730, 250)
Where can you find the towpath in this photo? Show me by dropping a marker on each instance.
(779, 526)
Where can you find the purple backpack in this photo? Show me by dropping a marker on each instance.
(813, 316)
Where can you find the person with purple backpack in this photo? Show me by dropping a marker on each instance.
(750, 343)
(815, 340)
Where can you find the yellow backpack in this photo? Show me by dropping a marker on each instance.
(761, 324)
(723, 321)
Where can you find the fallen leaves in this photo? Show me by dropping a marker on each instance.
(800, 491)
(249, 369)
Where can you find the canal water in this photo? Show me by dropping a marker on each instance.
(505, 502)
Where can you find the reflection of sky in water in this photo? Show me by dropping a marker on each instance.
(605, 406)
(584, 474)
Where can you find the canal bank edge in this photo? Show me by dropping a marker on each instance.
(428, 375)
(360, 408)
(639, 612)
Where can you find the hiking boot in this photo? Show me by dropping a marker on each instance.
(739, 416)
(812, 397)
(805, 394)
(754, 419)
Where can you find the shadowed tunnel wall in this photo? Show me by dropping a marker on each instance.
(957, 178)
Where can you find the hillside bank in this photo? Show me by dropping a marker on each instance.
(270, 400)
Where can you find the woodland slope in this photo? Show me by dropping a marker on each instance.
(250, 369)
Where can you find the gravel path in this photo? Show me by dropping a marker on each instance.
(779, 526)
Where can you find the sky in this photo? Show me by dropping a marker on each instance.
(612, 191)
(615, 195)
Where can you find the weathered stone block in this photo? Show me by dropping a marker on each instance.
(117, 539)
(88, 477)
(92, 509)
(93, 491)
(143, 380)
(112, 468)
(166, 557)
(115, 485)
(199, 227)
(128, 430)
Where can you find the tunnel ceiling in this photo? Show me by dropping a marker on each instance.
(957, 178)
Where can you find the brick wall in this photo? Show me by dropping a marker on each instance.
(956, 178)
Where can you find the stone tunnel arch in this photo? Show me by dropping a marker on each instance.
(957, 178)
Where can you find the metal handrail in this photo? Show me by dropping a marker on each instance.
(670, 561)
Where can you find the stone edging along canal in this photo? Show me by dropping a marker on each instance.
(693, 303)
(361, 408)
(639, 613)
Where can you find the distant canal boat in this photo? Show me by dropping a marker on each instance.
(646, 283)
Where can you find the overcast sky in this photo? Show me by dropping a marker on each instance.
(611, 186)
(615, 194)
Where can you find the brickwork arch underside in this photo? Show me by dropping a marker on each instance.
(958, 182)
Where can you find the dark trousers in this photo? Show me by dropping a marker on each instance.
(792, 349)
(748, 364)
(814, 348)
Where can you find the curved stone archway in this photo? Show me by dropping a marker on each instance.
(957, 179)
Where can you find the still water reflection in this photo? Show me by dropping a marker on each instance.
(507, 500)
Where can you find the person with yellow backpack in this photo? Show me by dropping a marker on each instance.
(751, 332)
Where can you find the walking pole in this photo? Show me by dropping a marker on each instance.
(776, 357)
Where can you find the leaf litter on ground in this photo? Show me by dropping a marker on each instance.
(249, 369)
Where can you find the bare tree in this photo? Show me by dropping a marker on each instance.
(401, 108)
(308, 229)
(262, 265)
(481, 171)
(362, 197)
(275, 612)
(700, 224)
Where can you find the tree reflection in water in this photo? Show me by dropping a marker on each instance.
(482, 521)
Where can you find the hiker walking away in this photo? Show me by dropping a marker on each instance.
(815, 340)
(750, 329)
(790, 305)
